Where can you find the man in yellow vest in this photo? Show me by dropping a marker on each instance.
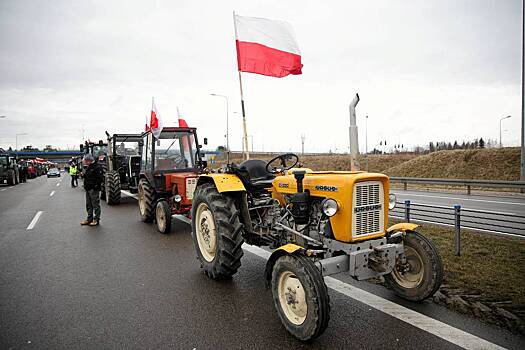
(74, 177)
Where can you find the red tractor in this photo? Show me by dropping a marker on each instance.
(170, 167)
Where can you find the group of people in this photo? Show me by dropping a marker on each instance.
(93, 179)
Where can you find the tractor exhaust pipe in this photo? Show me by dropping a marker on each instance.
(353, 134)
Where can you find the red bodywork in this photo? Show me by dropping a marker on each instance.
(177, 183)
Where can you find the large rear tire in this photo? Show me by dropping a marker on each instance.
(112, 188)
(11, 178)
(300, 296)
(163, 217)
(216, 232)
(422, 274)
(146, 201)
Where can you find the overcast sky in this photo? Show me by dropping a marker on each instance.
(425, 71)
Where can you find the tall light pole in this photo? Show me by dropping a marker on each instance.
(501, 119)
(16, 140)
(522, 162)
(227, 125)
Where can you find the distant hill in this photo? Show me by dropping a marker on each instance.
(489, 164)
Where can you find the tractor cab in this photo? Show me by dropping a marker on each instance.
(124, 157)
(170, 167)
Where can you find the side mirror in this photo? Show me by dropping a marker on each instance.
(205, 140)
(81, 148)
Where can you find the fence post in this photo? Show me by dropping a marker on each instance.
(407, 211)
(405, 185)
(457, 224)
(468, 189)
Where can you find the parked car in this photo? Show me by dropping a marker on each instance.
(53, 172)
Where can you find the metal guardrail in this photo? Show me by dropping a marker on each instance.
(460, 218)
(460, 182)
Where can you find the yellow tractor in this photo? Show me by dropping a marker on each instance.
(317, 223)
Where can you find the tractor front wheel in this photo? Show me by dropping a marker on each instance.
(112, 187)
(146, 201)
(163, 217)
(11, 178)
(300, 296)
(216, 232)
(420, 276)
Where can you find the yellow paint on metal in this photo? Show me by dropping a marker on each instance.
(403, 226)
(289, 248)
(226, 182)
(344, 181)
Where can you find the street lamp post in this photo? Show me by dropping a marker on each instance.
(16, 140)
(501, 119)
(227, 125)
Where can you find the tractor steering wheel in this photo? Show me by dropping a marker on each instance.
(291, 158)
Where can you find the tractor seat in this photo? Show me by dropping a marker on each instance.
(258, 176)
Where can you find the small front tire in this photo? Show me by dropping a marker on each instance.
(163, 217)
(300, 296)
(422, 274)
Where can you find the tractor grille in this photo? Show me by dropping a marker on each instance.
(368, 208)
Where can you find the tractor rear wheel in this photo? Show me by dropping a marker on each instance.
(146, 201)
(112, 187)
(163, 217)
(300, 296)
(216, 232)
(421, 276)
(11, 178)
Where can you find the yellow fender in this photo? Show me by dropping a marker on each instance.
(289, 248)
(402, 226)
(223, 182)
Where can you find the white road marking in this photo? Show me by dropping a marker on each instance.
(129, 194)
(51, 194)
(3, 189)
(423, 322)
(183, 218)
(58, 184)
(404, 194)
(34, 221)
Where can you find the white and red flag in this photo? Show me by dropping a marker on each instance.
(266, 47)
(155, 121)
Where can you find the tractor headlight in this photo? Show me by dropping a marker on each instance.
(177, 198)
(391, 201)
(329, 207)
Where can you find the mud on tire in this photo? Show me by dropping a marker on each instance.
(409, 286)
(302, 325)
(216, 232)
(146, 201)
(112, 187)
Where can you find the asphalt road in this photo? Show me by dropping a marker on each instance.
(124, 285)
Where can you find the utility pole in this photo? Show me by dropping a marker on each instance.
(302, 143)
(501, 119)
(522, 162)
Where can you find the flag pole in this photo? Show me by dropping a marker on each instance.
(245, 132)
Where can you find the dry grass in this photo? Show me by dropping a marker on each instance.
(490, 164)
(489, 265)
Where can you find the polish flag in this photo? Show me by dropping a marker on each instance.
(155, 122)
(185, 142)
(266, 47)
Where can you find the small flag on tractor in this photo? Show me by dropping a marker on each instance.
(155, 123)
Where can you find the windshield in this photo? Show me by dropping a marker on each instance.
(174, 150)
(98, 149)
(3, 160)
(127, 148)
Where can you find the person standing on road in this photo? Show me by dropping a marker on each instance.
(92, 184)
(73, 172)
